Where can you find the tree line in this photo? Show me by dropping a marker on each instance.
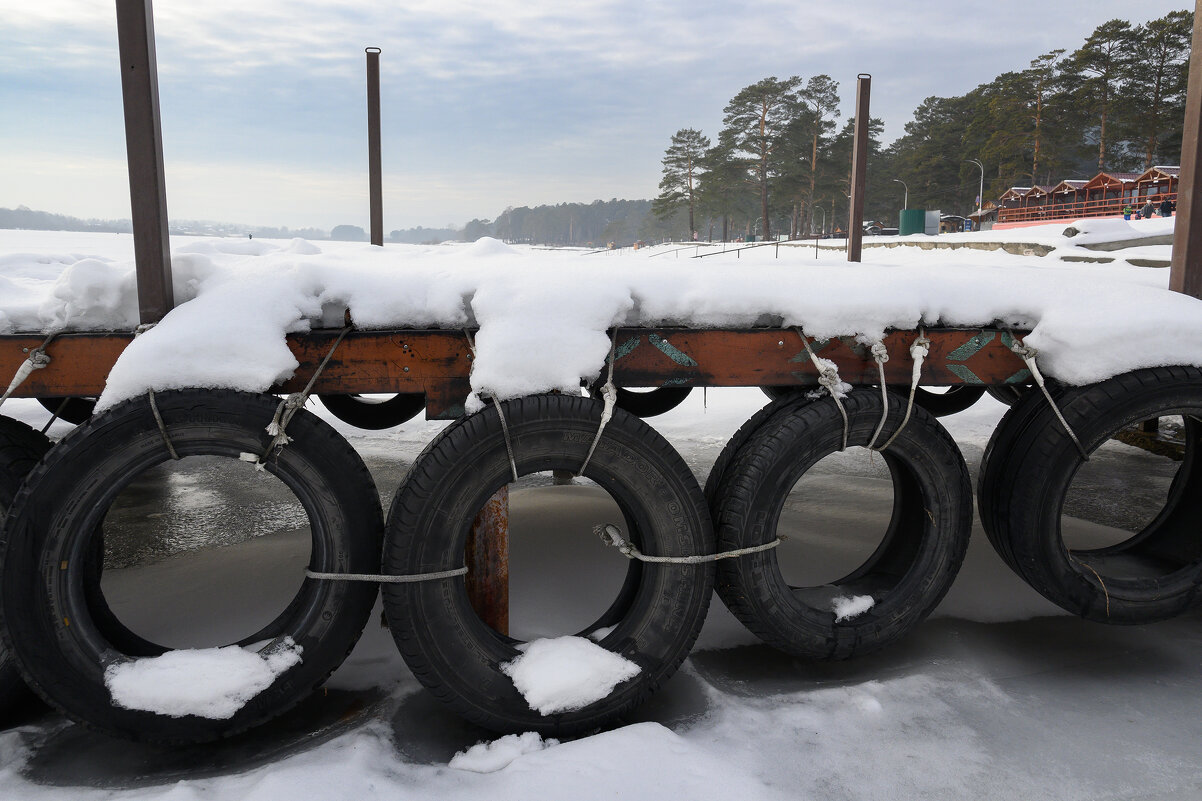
(781, 163)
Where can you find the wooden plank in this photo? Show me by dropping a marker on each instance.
(438, 362)
(1186, 270)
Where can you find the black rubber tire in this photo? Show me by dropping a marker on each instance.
(1009, 394)
(647, 404)
(1155, 574)
(446, 645)
(910, 571)
(739, 439)
(62, 648)
(73, 410)
(957, 398)
(20, 449)
(374, 415)
(1010, 429)
(783, 392)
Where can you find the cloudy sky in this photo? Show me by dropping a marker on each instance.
(486, 103)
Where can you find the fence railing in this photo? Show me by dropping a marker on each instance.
(1108, 207)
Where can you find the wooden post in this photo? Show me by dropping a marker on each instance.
(375, 178)
(487, 560)
(859, 168)
(144, 151)
(1186, 271)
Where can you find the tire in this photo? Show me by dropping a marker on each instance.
(375, 415)
(20, 449)
(1153, 575)
(650, 403)
(1009, 394)
(739, 439)
(909, 572)
(656, 616)
(73, 410)
(785, 391)
(63, 647)
(957, 398)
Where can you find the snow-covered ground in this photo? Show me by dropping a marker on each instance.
(998, 695)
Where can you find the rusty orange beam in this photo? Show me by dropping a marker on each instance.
(438, 362)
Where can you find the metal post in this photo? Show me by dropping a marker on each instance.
(1186, 271)
(376, 184)
(487, 559)
(859, 168)
(144, 151)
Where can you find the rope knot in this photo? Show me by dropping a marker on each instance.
(880, 352)
(1024, 350)
(921, 348)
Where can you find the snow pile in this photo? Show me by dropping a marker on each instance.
(491, 757)
(847, 607)
(209, 683)
(543, 314)
(567, 673)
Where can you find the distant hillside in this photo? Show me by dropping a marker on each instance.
(25, 218)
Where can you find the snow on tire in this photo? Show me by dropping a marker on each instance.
(906, 574)
(64, 649)
(20, 449)
(1152, 574)
(652, 623)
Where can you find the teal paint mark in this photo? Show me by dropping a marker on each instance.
(817, 345)
(626, 347)
(675, 354)
(966, 375)
(676, 382)
(1007, 340)
(1021, 377)
(972, 347)
(858, 348)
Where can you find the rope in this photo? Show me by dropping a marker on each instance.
(610, 394)
(918, 352)
(881, 355)
(1028, 354)
(828, 376)
(612, 535)
(54, 415)
(513, 466)
(158, 418)
(288, 408)
(508, 445)
(35, 361)
(412, 578)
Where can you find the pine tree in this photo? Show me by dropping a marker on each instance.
(1101, 63)
(1157, 80)
(754, 120)
(681, 169)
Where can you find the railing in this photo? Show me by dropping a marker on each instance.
(1108, 207)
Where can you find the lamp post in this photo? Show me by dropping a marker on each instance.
(906, 200)
(981, 188)
(822, 229)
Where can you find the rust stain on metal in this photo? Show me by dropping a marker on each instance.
(487, 558)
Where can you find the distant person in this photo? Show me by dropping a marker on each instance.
(1167, 207)
(1148, 210)
(1127, 212)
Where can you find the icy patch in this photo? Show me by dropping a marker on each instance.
(491, 757)
(209, 683)
(567, 673)
(847, 607)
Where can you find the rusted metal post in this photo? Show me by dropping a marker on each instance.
(1186, 271)
(376, 182)
(144, 151)
(859, 168)
(487, 560)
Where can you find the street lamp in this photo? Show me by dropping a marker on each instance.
(981, 189)
(906, 201)
(823, 228)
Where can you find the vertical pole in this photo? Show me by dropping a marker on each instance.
(376, 184)
(487, 559)
(859, 168)
(144, 152)
(1186, 272)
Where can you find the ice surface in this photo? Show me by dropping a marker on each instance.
(209, 683)
(565, 673)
